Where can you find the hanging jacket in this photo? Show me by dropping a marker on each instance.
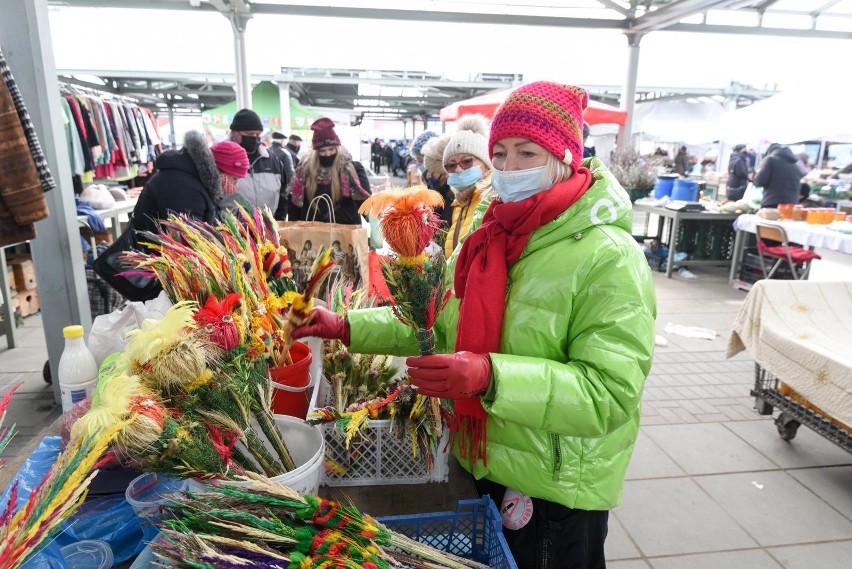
(575, 349)
(187, 181)
(22, 200)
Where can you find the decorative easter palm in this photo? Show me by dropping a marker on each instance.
(415, 280)
(57, 497)
(6, 433)
(267, 525)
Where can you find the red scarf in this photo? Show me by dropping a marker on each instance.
(483, 265)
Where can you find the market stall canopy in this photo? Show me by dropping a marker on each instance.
(487, 104)
(687, 121)
(807, 113)
(265, 102)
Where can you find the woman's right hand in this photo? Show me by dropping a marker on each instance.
(324, 324)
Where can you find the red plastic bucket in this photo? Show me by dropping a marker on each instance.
(291, 385)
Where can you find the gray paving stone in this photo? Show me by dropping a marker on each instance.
(831, 484)
(818, 555)
(649, 461)
(675, 517)
(775, 508)
(746, 559)
(618, 544)
(707, 448)
(806, 450)
(628, 564)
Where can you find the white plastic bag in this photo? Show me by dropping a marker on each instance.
(109, 330)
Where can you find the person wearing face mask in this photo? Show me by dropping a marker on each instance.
(544, 349)
(294, 143)
(266, 182)
(435, 178)
(190, 181)
(329, 170)
(468, 174)
(417, 177)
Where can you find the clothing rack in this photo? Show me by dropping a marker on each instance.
(74, 89)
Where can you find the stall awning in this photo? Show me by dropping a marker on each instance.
(596, 113)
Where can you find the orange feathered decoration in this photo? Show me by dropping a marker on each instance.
(407, 220)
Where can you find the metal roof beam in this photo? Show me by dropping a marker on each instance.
(673, 13)
(759, 31)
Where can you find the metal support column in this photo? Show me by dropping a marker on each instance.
(172, 135)
(284, 103)
(628, 94)
(243, 86)
(26, 41)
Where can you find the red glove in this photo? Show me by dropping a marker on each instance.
(324, 324)
(451, 376)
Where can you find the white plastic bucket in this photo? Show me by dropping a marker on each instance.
(307, 447)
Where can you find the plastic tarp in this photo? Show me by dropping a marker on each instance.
(817, 113)
(682, 121)
(596, 113)
(108, 518)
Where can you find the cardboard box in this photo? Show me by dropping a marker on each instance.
(27, 301)
(25, 277)
(11, 280)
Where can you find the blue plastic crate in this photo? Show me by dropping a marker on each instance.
(474, 531)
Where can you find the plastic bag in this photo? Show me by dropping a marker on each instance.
(109, 518)
(109, 330)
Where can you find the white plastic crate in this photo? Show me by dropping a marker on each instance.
(377, 456)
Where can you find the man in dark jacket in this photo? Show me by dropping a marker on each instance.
(265, 184)
(187, 181)
(294, 144)
(277, 149)
(738, 170)
(779, 176)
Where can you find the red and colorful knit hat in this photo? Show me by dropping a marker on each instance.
(231, 158)
(549, 114)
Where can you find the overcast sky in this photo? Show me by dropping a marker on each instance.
(150, 41)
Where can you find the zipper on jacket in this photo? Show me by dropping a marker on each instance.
(462, 215)
(556, 444)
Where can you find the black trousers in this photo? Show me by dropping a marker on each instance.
(556, 537)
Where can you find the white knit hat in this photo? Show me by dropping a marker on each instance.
(433, 154)
(470, 138)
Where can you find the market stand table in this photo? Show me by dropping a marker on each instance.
(676, 217)
(798, 334)
(808, 235)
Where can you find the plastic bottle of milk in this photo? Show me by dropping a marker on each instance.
(78, 370)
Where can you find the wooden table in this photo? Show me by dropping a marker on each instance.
(676, 217)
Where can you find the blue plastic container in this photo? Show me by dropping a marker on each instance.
(663, 187)
(685, 190)
(473, 531)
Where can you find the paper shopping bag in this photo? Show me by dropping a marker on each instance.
(349, 249)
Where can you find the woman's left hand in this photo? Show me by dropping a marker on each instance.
(451, 376)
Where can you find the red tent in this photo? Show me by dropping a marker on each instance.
(596, 113)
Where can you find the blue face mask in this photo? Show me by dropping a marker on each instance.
(519, 185)
(466, 178)
(421, 168)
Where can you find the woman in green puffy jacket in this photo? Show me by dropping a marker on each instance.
(546, 345)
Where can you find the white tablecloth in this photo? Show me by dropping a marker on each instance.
(801, 332)
(817, 236)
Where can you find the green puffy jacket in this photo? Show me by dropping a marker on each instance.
(575, 349)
